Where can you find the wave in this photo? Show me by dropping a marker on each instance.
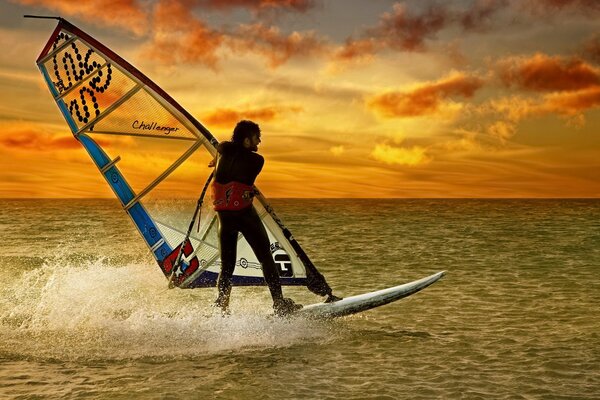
(72, 309)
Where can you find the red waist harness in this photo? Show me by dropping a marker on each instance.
(232, 196)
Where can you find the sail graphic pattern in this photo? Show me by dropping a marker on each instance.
(148, 148)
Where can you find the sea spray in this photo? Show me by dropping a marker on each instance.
(95, 310)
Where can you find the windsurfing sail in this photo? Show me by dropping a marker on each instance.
(150, 150)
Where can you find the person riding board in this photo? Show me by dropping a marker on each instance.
(237, 166)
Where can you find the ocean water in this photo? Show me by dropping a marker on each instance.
(86, 313)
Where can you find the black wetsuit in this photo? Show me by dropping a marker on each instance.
(236, 163)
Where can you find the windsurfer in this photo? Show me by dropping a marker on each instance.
(237, 167)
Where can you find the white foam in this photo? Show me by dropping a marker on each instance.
(91, 309)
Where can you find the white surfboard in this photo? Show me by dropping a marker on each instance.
(367, 301)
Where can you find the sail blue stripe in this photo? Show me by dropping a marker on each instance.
(60, 103)
(162, 252)
(68, 117)
(48, 81)
(117, 182)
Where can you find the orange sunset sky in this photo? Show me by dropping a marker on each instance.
(356, 98)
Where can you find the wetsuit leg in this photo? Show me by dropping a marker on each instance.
(255, 234)
(228, 234)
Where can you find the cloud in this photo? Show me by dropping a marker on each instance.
(569, 87)
(502, 130)
(570, 103)
(403, 30)
(426, 99)
(179, 37)
(227, 117)
(357, 50)
(129, 15)
(31, 138)
(400, 155)
(275, 46)
(39, 142)
(545, 73)
(398, 30)
(512, 108)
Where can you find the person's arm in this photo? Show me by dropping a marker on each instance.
(220, 148)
